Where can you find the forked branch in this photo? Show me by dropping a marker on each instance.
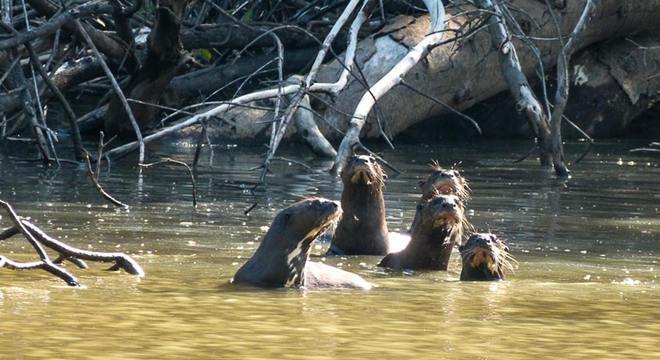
(40, 240)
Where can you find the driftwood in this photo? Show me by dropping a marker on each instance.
(445, 64)
(612, 84)
(459, 77)
(40, 240)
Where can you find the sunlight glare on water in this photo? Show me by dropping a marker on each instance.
(586, 285)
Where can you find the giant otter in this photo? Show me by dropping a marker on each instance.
(485, 258)
(362, 229)
(444, 181)
(440, 223)
(281, 260)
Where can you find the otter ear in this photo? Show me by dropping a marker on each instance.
(385, 176)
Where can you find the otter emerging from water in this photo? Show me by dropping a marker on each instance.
(362, 229)
(281, 260)
(440, 224)
(485, 258)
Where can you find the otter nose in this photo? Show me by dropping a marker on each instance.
(484, 240)
(448, 206)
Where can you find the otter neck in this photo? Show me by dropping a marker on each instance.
(432, 246)
(359, 199)
(479, 273)
(281, 266)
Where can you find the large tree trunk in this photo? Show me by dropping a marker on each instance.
(613, 83)
(459, 77)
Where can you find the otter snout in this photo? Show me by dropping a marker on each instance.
(448, 206)
(484, 241)
(329, 206)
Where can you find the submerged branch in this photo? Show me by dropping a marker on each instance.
(39, 239)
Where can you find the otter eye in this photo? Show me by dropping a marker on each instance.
(287, 216)
(461, 247)
(419, 207)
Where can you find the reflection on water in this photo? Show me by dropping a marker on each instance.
(586, 286)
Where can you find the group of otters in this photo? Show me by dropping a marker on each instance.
(282, 258)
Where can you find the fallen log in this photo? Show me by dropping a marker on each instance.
(460, 74)
(612, 84)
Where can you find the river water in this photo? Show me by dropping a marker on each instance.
(586, 285)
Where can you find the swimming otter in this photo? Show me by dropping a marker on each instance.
(485, 258)
(281, 259)
(362, 229)
(440, 223)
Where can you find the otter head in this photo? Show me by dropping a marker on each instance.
(305, 220)
(485, 257)
(442, 211)
(363, 170)
(444, 181)
(438, 225)
(281, 257)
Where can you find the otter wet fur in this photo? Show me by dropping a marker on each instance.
(485, 258)
(362, 229)
(444, 181)
(281, 260)
(439, 227)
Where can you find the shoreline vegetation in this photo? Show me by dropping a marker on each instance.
(325, 73)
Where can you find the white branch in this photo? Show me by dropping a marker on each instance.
(349, 60)
(390, 80)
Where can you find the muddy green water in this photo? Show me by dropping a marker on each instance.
(586, 285)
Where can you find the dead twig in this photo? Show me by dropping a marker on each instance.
(100, 189)
(190, 171)
(247, 211)
(469, 119)
(116, 87)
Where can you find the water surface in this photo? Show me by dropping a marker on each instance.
(586, 285)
